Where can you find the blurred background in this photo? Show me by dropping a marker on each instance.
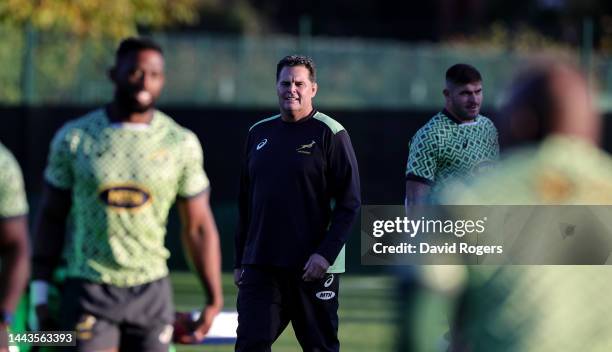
(381, 68)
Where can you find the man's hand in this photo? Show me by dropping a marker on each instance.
(237, 276)
(201, 241)
(201, 326)
(315, 268)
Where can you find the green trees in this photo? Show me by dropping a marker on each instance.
(98, 18)
(46, 42)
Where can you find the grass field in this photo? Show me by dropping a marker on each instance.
(367, 314)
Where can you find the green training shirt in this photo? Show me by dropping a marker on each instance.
(542, 307)
(445, 149)
(12, 193)
(123, 179)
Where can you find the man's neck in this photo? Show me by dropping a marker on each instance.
(288, 117)
(454, 116)
(117, 114)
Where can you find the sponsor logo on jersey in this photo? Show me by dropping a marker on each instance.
(306, 148)
(124, 196)
(325, 295)
(553, 186)
(262, 143)
(329, 280)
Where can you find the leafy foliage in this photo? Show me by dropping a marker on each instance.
(98, 18)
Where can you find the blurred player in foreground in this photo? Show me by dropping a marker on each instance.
(542, 308)
(118, 170)
(14, 252)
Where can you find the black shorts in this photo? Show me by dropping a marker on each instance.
(137, 318)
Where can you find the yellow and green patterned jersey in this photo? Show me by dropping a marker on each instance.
(12, 193)
(541, 307)
(446, 149)
(123, 179)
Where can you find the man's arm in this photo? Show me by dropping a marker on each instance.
(49, 231)
(417, 193)
(14, 246)
(201, 242)
(421, 167)
(49, 235)
(345, 188)
(243, 218)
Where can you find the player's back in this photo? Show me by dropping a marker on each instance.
(540, 307)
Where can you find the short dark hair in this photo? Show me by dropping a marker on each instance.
(463, 74)
(297, 60)
(133, 44)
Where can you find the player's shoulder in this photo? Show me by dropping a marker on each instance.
(91, 123)
(94, 118)
(333, 125)
(174, 131)
(10, 171)
(6, 156)
(4, 152)
(485, 118)
(486, 121)
(551, 173)
(264, 123)
(507, 182)
(432, 127)
(165, 122)
(589, 161)
(437, 122)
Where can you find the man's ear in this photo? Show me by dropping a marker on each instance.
(315, 87)
(446, 92)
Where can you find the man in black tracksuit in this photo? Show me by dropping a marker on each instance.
(299, 196)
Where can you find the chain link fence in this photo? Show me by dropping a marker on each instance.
(214, 70)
